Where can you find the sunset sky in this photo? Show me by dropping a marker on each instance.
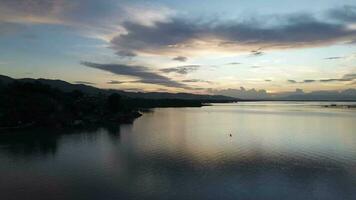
(179, 45)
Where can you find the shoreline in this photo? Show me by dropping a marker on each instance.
(130, 117)
(100, 121)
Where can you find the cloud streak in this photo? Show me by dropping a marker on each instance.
(196, 81)
(115, 82)
(143, 73)
(181, 69)
(257, 52)
(344, 78)
(85, 83)
(334, 58)
(180, 58)
(233, 63)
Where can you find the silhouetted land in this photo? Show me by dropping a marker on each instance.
(28, 103)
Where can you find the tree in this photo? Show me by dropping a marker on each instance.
(114, 103)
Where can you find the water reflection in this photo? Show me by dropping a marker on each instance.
(29, 144)
(275, 152)
(44, 142)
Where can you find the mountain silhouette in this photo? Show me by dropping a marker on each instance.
(69, 87)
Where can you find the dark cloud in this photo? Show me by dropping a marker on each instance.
(196, 81)
(268, 80)
(103, 17)
(181, 69)
(257, 52)
(85, 83)
(344, 78)
(143, 73)
(334, 58)
(162, 35)
(309, 81)
(93, 18)
(180, 58)
(291, 32)
(256, 66)
(76, 12)
(115, 82)
(335, 80)
(346, 13)
(350, 76)
(29, 7)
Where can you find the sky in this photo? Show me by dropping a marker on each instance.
(182, 46)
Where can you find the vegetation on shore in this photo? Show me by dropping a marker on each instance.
(34, 104)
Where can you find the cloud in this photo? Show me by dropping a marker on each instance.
(346, 13)
(180, 58)
(124, 53)
(321, 80)
(91, 18)
(196, 81)
(257, 52)
(268, 80)
(115, 82)
(256, 67)
(181, 70)
(335, 80)
(147, 14)
(344, 78)
(334, 58)
(85, 82)
(297, 94)
(233, 63)
(187, 35)
(242, 93)
(309, 81)
(143, 73)
(350, 76)
(292, 81)
(36, 11)
(136, 28)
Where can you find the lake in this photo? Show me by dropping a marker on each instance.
(277, 150)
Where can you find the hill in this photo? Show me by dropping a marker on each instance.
(69, 87)
(28, 103)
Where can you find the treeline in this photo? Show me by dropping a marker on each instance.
(27, 104)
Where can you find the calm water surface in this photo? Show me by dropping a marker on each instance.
(278, 150)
